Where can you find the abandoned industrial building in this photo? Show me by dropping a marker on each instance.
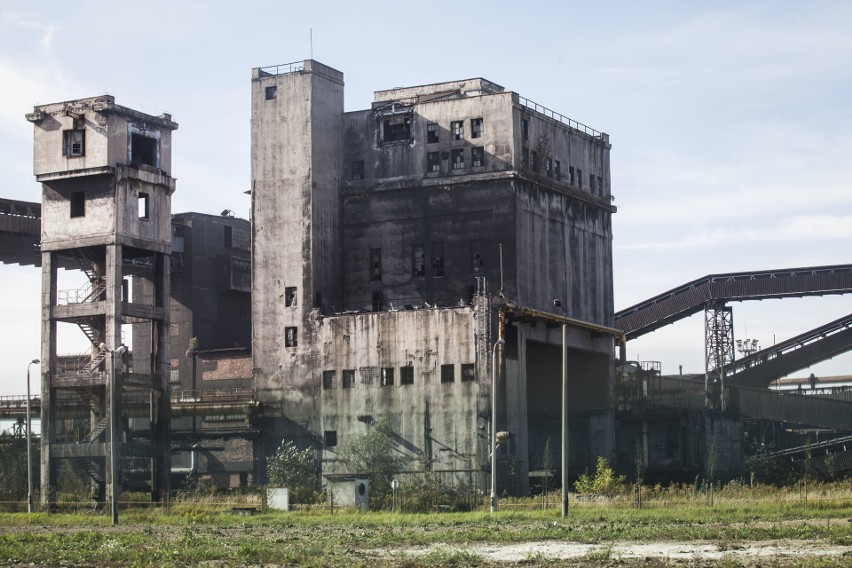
(399, 261)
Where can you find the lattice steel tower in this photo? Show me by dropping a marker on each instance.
(106, 214)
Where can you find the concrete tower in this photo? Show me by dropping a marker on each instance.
(296, 137)
(106, 209)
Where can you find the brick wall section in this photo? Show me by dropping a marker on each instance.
(218, 367)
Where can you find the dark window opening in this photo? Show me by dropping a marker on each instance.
(328, 379)
(358, 169)
(477, 156)
(558, 170)
(448, 373)
(143, 150)
(348, 378)
(330, 438)
(74, 143)
(433, 161)
(377, 301)
(471, 293)
(571, 175)
(290, 338)
(229, 236)
(468, 372)
(437, 260)
(78, 204)
(376, 264)
(419, 261)
(580, 178)
(525, 129)
(548, 167)
(475, 127)
(396, 128)
(406, 375)
(458, 159)
(525, 158)
(387, 376)
(290, 297)
(592, 182)
(318, 300)
(125, 290)
(476, 255)
(457, 129)
(600, 185)
(144, 204)
(432, 133)
(271, 92)
(535, 164)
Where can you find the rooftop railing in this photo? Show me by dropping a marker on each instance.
(532, 105)
(283, 68)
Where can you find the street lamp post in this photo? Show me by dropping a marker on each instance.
(29, 442)
(559, 305)
(113, 431)
(498, 343)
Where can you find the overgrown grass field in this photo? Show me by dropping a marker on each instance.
(208, 531)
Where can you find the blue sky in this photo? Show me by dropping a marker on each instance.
(731, 122)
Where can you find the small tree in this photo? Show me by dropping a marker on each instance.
(374, 452)
(295, 469)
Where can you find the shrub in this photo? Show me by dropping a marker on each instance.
(604, 481)
(295, 469)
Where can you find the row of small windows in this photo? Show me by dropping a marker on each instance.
(77, 203)
(553, 168)
(456, 130)
(143, 149)
(406, 376)
(419, 263)
(434, 161)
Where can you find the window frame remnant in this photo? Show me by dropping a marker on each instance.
(432, 135)
(580, 178)
(386, 379)
(291, 336)
(348, 380)
(448, 373)
(477, 157)
(406, 375)
(328, 379)
(396, 128)
(419, 261)
(433, 162)
(290, 297)
(74, 143)
(375, 265)
(476, 127)
(548, 167)
(557, 169)
(271, 92)
(329, 438)
(468, 372)
(525, 129)
(457, 130)
(457, 159)
(570, 175)
(437, 260)
(77, 201)
(357, 170)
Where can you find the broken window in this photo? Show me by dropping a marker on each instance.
(433, 161)
(600, 185)
(358, 169)
(457, 129)
(477, 156)
(580, 178)
(290, 297)
(475, 127)
(143, 150)
(557, 170)
(144, 203)
(271, 92)
(592, 183)
(468, 372)
(290, 339)
(548, 167)
(78, 204)
(571, 175)
(458, 159)
(525, 129)
(174, 376)
(396, 128)
(376, 264)
(525, 158)
(535, 164)
(387, 376)
(348, 378)
(237, 237)
(419, 261)
(328, 379)
(437, 260)
(406, 375)
(432, 133)
(74, 144)
(330, 438)
(448, 373)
